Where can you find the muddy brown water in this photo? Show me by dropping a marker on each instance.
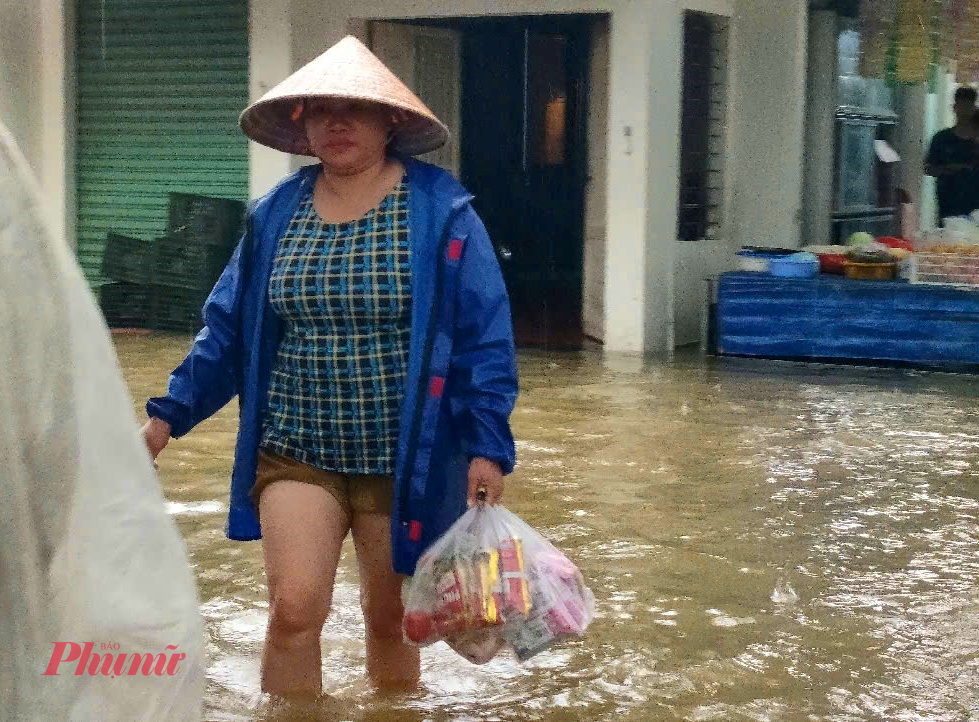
(766, 541)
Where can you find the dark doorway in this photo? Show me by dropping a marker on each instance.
(523, 155)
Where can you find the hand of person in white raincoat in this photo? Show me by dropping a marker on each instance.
(92, 569)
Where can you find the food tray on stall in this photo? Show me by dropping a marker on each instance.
(946, 264)
(857, 271)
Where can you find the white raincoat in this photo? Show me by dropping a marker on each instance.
(87, 550)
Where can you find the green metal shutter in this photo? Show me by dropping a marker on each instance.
(160, 87)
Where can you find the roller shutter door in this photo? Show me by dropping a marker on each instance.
(160, 86)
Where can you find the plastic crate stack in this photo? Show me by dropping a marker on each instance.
(162, 284)
(127, 294)
(201, 236)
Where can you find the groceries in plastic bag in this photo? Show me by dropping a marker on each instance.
(491, 582)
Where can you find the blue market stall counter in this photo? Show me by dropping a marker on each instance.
(830, 318)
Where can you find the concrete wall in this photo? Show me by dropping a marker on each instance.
(57, 170)
(696, 261)
(768, 122)
(270, 61)
(36, 87)
(596, 193)
(820, 148)
(911, 141)
(20, 91)
(763, 167)
(35, 92)
(663, 48)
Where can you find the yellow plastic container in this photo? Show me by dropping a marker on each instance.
(869, 271)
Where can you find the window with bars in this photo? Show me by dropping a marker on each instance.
(703, 121)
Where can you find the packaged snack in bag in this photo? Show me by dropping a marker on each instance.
(490, 582)
(516, 594)
(562, 606)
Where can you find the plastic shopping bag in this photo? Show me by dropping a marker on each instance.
(492, 582)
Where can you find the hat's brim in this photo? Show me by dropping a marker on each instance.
(270, 122)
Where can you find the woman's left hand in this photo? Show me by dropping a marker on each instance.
(485, 474)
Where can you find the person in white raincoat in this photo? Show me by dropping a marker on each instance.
(88, 553)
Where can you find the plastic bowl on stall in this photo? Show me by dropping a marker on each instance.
(831, 258)
(893, 242)
(756, 259)
(753, 262)
(798, 265)
(832, 263)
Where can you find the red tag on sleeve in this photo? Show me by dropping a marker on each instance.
(415, 531)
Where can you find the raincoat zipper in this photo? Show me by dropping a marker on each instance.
(421, 395)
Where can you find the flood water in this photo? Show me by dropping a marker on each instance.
(765, 542)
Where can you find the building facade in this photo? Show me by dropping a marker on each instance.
(621, 150)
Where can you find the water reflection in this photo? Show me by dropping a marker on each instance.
(765, 541)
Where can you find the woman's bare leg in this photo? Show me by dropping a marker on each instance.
(303, 528)
(391, 662)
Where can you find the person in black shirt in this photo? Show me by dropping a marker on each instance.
(953, 158)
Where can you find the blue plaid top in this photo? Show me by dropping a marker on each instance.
(343, 291)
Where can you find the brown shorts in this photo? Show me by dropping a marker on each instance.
(360, 493)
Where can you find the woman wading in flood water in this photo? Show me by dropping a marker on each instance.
(364, 324)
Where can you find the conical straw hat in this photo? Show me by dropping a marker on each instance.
(347, 70)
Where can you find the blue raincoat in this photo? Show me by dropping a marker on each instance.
(462, 379)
